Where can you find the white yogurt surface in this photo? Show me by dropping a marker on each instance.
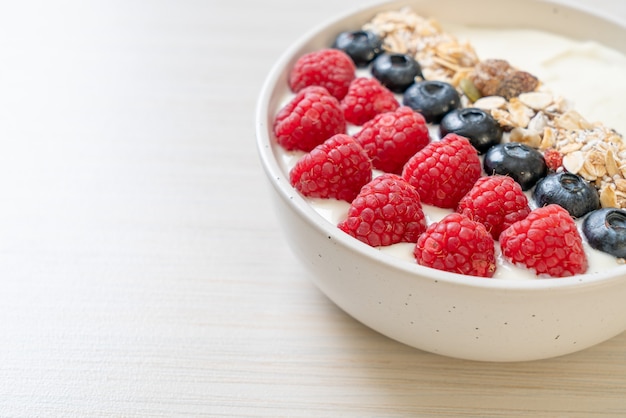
(590, 75)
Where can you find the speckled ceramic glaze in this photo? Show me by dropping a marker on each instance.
(445, 313)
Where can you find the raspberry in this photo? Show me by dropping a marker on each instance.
(329, 68)
(554, 159)
(391, 138)
(546, 241)
(337, 168)
(444, 171)
(459, 245)
(386, 211)
(365, 99)
(309, 119)
(496, 202)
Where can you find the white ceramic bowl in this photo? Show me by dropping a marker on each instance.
(445, 313)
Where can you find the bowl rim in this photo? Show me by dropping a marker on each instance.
(266, 150)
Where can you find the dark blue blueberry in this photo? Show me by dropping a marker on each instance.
(475, 124)
(362, 46)
(524, 164)
(433, 99)
(569, 191)
(605, 230)
(396, 71)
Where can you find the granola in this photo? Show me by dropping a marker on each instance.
(441, 55)
(526, 110)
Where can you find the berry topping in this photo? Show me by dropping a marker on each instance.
(547, 242)
(337, 168)
(433, 99)
(329, 68)
(554, 159)
(524, 164)
(457, 244)
(396, 71)
(444, 171)
(386, 211)
(475, 124)
(362, 46)
(365, 99)
(569, 191)
(605, 230)
(496, 202)
(309, 119)
(391, 138)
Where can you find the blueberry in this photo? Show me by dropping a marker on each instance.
(433, 99)
(396, 71)
(362, 46)
(478, 126)
(569, 191)
(524, 164)
(605, 230)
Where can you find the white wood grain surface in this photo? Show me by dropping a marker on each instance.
(142, 269)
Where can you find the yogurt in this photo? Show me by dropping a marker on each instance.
(588, 74)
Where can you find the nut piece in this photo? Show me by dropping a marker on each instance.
(516, 83)
(549, 138)
(608, 198)
(496, 77)
(537, 100)
(574, 162)
(520, 113)
(538, 123)
(571, 120)
(610, 162)
(525, 136)
(490, 102)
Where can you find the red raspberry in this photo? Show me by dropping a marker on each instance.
(386, 211)
(391, 138)
(329, 68)
(309, 119)
(496, 202)
(459, 245)
(337, 168)
(554, 159)
(444, 171)
(546, 241)
(365, 99)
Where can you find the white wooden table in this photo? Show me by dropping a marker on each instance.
(142, 269)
